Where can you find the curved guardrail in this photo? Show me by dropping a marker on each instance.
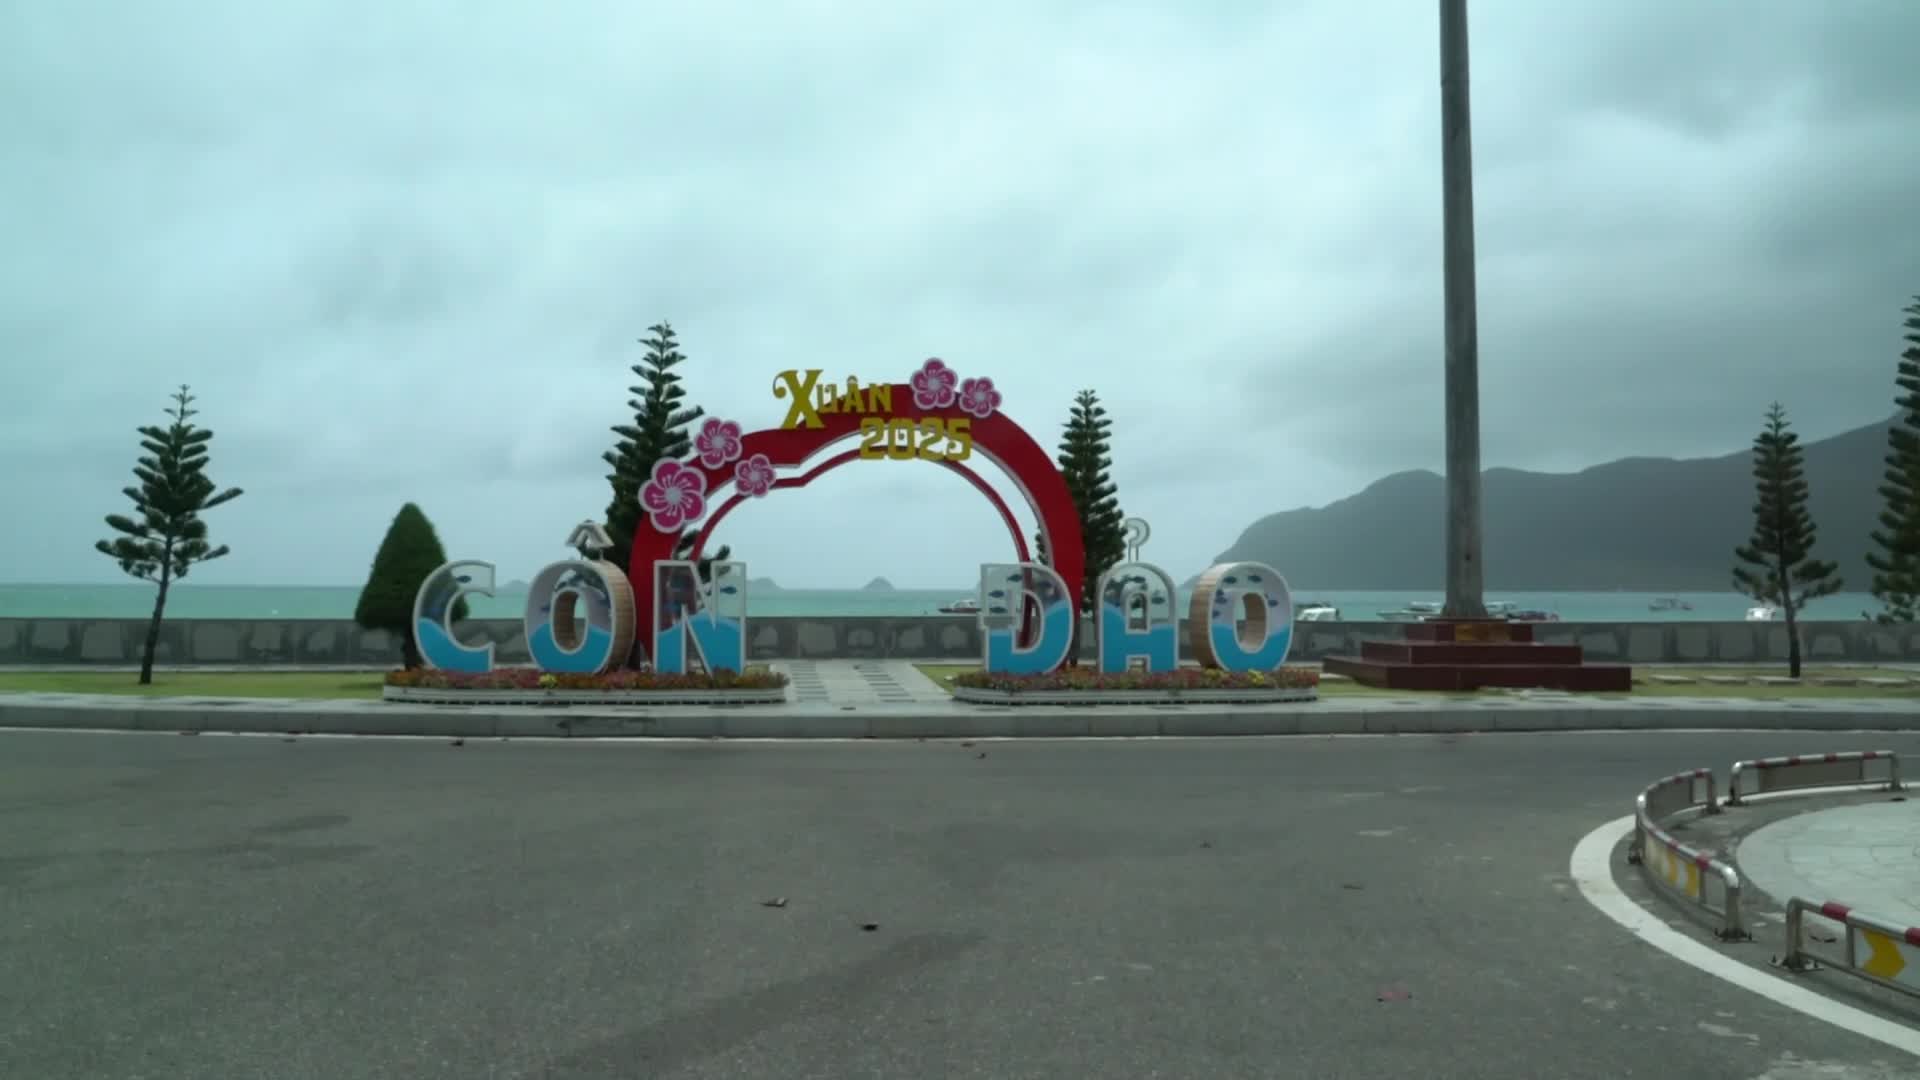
(1802, 771)
(1891, 953)
(1698, 877)
(1875, 950)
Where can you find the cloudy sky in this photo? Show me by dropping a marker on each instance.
(404, 251)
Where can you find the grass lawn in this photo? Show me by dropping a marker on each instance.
(255, 684)
(939, 673)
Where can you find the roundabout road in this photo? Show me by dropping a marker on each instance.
(215, 907)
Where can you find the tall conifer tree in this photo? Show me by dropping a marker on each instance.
(1085, 461)
(1896, 565)
(1779, 567)
(658, 433)
(168, 536)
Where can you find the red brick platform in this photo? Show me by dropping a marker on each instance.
(1468, 654)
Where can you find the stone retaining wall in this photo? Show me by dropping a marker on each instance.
(339, 642)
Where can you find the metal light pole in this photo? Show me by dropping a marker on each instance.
(1465, 583)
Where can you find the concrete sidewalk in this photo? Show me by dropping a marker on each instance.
(1866, 856)
(885, 704)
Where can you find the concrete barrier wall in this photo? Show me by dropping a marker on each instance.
(340, 642)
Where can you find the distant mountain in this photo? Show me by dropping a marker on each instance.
(878, 584)
(762, 584)
(1639, 524)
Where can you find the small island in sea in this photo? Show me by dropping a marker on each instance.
(878, 584)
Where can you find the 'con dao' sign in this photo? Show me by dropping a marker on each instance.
(1240, 617)
(585, 615)
(580, 617)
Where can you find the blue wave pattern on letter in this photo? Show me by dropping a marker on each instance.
(722, 644)
(1000, 621)
(433, 608)
(1240, 581)
(1056, 639)
(587, 589)
(437, 647)
(713, 617)
(1158, 644)
(596, 648)
(1120, 642)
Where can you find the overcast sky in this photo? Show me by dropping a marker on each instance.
(404, 251)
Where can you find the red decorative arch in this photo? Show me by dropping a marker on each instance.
(1006, 512)
(996, 438)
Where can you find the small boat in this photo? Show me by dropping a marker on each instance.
(1316, 611)
(1669, 603)
(1763, 613)
(1415, 611)
(1532, 615)
(963, 606)
(1501, 609)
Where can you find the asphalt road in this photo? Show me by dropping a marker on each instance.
(214, 907)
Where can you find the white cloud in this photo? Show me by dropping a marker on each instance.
(404, 254)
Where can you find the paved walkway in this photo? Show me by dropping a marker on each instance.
(859, 682)
(1865, 856)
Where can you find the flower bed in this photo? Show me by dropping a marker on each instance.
(1087, 686)
(531, 686)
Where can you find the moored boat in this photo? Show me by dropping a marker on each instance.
(1415, 611)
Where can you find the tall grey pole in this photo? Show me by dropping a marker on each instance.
(1465, 583)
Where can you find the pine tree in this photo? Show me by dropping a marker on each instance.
(1040, 549)
(1896, 566)
(1780, 568)
(410, 552)
(1084, 462)
(168, 537)
(658, 433)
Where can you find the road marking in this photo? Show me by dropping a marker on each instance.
(1592, 870)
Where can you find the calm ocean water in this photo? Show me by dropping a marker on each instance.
(336, 602)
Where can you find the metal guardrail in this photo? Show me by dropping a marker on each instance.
(1811, 771)
(1694, 875)
(1874, 950)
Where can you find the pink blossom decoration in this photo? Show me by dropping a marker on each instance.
(718, 442)
(676, 495)
(978, 398)
(933, 385)
(754, 476)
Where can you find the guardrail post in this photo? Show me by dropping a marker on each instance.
(1736, 929)
(1893, 773)
(1794, 959)
(1733, 784)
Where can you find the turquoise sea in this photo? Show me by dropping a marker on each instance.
(190, 601)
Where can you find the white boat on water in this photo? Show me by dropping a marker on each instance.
(966, 605)
(1669, 603)
(1425, 610)
(1763, 613)
(1415, 611)
(1316, 611)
